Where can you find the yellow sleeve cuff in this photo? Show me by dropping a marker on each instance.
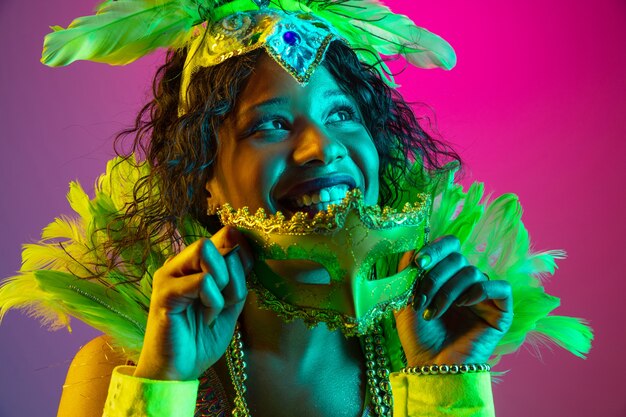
(130, 396)
(459, 395)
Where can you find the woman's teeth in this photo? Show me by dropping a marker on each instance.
(323, 197)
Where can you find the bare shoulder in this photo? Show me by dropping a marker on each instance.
(87, 381)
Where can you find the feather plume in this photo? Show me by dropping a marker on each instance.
(494, 238)
(121, 32)
(570, 333)
(104, 308)
(66, 274)
(371, 25)
(22, 292)
(62, 228)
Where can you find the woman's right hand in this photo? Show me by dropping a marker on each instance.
(197, 297)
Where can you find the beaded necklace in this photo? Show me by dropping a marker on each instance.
(376, 364)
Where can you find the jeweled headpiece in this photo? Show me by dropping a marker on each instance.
(295, 33)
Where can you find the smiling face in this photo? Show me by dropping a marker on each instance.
(290, 148)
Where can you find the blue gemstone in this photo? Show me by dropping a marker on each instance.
(291, 38)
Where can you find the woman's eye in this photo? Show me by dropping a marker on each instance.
(268, 126)
(342, 114)
(273, 124)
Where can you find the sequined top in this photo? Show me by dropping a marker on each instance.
(213, 402)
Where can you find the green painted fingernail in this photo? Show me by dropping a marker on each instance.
(429, 313)
(423, 260)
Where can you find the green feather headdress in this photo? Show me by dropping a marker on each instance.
(122, 31)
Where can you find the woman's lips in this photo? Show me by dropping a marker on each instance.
(316, 184)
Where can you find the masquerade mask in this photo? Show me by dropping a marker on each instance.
(348, 240)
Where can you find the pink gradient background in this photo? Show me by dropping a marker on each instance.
(536, 106)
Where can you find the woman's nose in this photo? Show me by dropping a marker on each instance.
(313, 144)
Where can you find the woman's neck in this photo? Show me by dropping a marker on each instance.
(290, 365)
(264, 331)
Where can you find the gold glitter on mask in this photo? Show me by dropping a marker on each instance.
(348, 240)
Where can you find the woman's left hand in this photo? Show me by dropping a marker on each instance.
(459, 315)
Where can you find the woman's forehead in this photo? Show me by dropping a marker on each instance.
(271, 84)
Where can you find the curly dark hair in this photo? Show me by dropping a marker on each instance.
(181, 150)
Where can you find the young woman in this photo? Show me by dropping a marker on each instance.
(262, 132)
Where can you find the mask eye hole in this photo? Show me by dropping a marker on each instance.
(301, 271)
(387, 265)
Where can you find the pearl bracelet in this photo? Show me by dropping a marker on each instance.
(447, 369)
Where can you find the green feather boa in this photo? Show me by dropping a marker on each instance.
(65, 273)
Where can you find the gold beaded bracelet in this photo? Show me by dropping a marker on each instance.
(446, 369)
